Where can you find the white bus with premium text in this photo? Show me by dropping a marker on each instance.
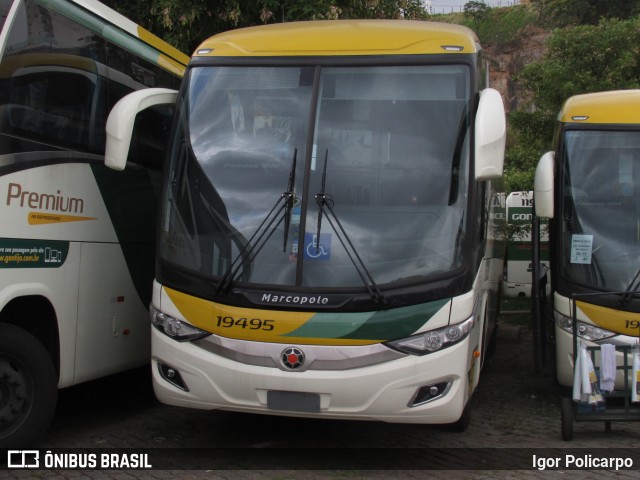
(76, 243)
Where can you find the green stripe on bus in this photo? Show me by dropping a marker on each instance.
(377, 325)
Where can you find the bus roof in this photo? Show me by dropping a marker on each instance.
(619, 106)
(342, 37)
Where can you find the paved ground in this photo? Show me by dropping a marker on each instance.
(515, 416)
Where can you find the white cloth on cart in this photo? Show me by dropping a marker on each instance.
(635, 385)
(577, 376)
(586, 366)
(607, 367)
(581, 370)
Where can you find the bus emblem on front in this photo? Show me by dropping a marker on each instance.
(292, 358)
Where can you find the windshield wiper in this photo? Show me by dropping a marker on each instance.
(263, 233)
(290, 199)
(325, 206)
(322, 197)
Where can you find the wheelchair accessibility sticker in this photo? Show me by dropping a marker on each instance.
(317, 250)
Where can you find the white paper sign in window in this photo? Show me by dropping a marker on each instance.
(581, 248)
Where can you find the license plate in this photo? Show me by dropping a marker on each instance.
(293, 401)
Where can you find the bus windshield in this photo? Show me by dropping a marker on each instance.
(307, 176)
(601, 208)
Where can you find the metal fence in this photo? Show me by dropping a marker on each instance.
(437, 8)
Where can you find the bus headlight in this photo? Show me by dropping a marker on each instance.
(585, 330)
(433, 340)
(174, 328)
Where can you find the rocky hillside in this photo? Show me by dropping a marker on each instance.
(508, 59)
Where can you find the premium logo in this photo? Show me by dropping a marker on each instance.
(43, 201)
(51, 205)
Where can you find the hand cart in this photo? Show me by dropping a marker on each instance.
(616, 405)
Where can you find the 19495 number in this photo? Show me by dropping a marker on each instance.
(632, 324)
(251, 324)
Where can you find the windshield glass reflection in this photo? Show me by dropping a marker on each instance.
(601, 208)
(396, 144)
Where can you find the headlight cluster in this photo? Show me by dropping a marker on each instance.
(584, 330)
(174, 328)
(433, 340)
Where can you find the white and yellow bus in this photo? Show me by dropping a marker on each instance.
(324, 242)
(588, 188)
(76, 242)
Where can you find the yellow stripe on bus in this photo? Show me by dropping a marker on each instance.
(176, 56)
(615, 320)
(41, 218)
(251, 324)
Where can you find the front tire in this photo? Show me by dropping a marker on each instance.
(28, 388)
(567, 419)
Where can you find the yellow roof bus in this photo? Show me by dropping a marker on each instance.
(76, 244)
(588, 188)
(325, 244)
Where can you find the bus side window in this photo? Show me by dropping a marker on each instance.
(52, 107)
(51, 80)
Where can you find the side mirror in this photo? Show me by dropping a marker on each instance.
(122, 119)
(543, 186)
(491, 135)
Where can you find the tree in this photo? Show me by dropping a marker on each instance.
(185, 23)
(585, 59)
(579, 60)
(585, 12)
(477, 11)
(407, 9)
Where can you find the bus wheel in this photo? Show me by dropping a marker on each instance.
(28, 388)
(567, 419)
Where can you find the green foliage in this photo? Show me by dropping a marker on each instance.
(476, 10)
(533, 128)
(580, 60)
(407, 9)
(186, 23)
(288, 10)
(506, 25)
(562, 13)
(520, 165)
(501, 26)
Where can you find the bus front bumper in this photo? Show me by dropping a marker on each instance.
(396, 391)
